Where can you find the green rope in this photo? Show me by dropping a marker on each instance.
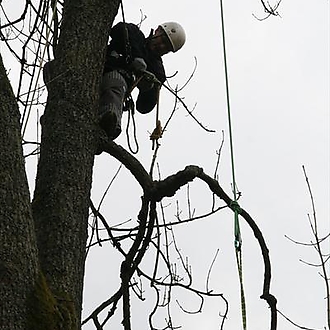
(237, 232)
(234, 205)
(240, 274)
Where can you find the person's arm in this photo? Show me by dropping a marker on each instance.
(130, 40)
(148, 96)
(147, 100)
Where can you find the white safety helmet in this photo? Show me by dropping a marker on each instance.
(175, 34)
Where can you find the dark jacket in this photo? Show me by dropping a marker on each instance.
(128, 49)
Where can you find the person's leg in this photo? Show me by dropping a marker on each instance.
(112, 95)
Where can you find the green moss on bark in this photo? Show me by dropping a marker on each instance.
(50, 312)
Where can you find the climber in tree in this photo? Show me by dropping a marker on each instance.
(131, 59)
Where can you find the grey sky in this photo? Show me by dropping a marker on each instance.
(279, 89)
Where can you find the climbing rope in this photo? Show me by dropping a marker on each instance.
(129, 103)
(129, 107)
(156, 134)
(128, 51)
(234, 206)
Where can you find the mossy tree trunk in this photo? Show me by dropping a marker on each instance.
(42, 261)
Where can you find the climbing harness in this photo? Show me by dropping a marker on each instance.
(234, 205)
(129, 103)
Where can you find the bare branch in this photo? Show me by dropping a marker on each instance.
(295, 324)
(210, 270)
(318, 248)
(269, 10)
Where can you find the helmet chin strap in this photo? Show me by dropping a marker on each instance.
(151, 36)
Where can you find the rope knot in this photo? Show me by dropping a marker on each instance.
(235, 207)
(156, 134)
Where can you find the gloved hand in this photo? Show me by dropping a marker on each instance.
(138, 64)
(147, 81)
(149, 76)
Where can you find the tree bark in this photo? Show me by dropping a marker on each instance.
(69, 140)
(42, 248)
(18, 253)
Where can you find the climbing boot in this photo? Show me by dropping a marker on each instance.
(110, 123)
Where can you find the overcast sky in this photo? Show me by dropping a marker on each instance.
(279, 94)
(279, 90)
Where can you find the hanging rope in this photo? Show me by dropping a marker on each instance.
(129, 107)
(234, 205)
(129, 103)
(128, 51)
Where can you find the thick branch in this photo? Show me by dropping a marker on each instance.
(131, 163)
(169, 186)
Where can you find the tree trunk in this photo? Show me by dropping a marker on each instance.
(18, 253)
(42, 261)
(61, 200)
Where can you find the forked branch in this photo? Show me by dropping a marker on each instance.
(155, 191)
